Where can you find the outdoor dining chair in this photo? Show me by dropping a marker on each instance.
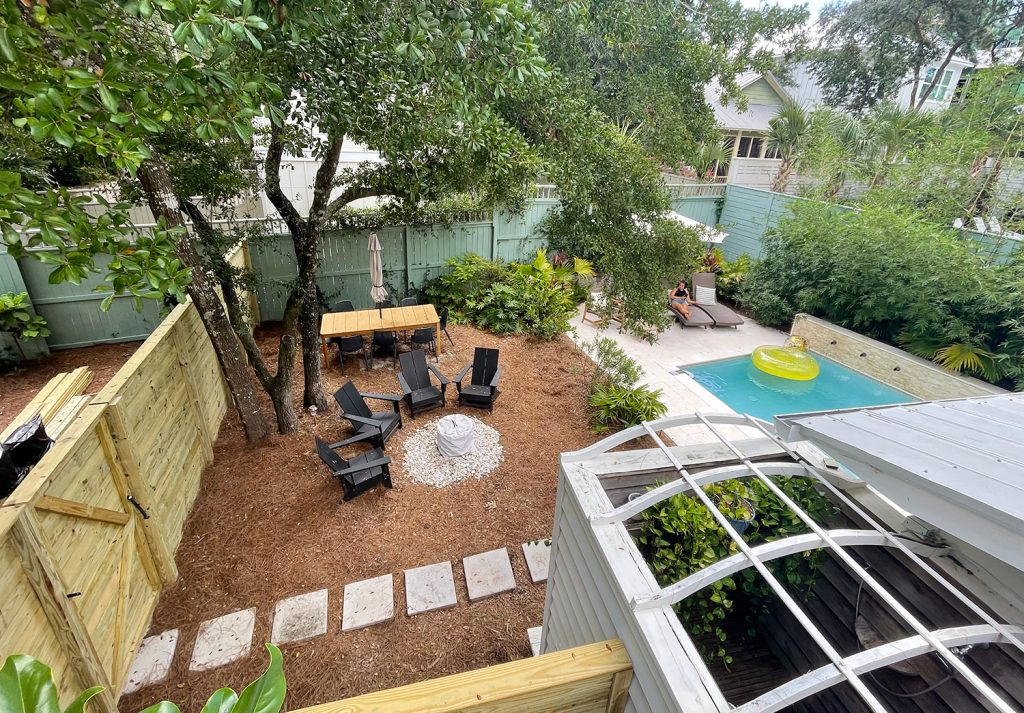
(358, 474)
(409, 302)
(375, 426)
(482, 389)
(418, 390)
(383, 344)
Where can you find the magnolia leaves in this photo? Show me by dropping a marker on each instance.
(26, 686)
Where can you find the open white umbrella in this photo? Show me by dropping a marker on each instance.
(708, 234)
(378, 293)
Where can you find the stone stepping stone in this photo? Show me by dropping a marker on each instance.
(153, 662)
(488, 573)
(300, 617)
(368, 602)
(534, 634)
(429, 588)
(538, 555)
(223, 640)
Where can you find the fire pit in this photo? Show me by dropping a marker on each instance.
(455, 436)
(429, 459)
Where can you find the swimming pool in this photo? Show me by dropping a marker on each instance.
(747, 389)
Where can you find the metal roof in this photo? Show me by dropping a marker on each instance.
(957, 464)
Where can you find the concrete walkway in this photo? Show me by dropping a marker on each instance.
(680, 347)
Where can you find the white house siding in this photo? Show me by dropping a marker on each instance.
(594, 573)
(299, 172)
(754, 172)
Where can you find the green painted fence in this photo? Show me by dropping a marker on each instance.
(749, 213)
(704, 208)
(412, 256)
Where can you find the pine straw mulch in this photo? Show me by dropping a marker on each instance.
(18, 387)
(269, 523)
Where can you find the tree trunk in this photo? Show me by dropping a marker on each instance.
(156, 183)
(279, 385)
(782, 175)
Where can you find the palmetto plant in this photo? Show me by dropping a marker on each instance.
(708, 159)
(788, 131)
(890, 132)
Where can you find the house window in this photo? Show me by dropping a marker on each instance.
(750, 147)
(941, 88)
(771, 151)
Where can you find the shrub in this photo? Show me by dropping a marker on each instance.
(18, 321)
(616, 397)
(536, 298)
(680, 537)
(889, 274)
(731, 276)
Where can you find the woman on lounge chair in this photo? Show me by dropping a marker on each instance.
(679, 299)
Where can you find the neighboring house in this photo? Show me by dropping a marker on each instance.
(752, 163)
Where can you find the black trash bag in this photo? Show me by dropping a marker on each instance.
(10, 476)
(28, 443)
(22, 450)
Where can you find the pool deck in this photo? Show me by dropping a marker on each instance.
(681, 347)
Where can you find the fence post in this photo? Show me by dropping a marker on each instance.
(494, 234)
(44, 577)
(408, 266)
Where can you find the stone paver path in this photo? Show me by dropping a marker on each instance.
(153, 661)
(537, 554)
(299, 618)
(488, 573)
(368, 602)
(534, 635)
(429, 588)
(223, 640)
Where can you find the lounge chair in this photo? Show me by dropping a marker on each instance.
(358, 474)
(482, 389)
(697, 318)
(719, 313)
(376, 427)
(418, 390)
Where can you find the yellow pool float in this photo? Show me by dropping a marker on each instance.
(788, 362)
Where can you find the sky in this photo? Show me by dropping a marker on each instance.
(813, 5)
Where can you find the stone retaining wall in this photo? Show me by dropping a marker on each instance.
(918, 377)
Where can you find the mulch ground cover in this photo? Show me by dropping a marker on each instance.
(18, 387)
(269, 523)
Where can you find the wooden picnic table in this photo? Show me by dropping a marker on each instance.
(388, 319)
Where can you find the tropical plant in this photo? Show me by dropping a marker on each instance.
(787, 132)
(616, 396)
(680, 536)
(731, 275)
(535, 298)
(710, 158)
(18, 320)
(26, 686)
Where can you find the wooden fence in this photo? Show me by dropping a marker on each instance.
(587, 679)
(87, 541)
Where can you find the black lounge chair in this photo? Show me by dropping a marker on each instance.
(722, 315)
(482, 389)
(358, 474)
(376, 427)
(417, 389)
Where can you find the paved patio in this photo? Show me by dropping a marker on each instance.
(678, 347)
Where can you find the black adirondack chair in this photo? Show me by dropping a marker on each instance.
(358, 474)
(374, 426)
(418, 390)
(482, 389)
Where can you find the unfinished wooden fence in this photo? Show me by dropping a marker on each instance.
(87, 541)
(587, 679)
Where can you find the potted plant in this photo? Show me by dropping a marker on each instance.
(738, 511)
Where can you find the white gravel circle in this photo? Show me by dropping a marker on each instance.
(424, 464)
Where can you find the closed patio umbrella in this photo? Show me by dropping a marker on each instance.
(378, 293)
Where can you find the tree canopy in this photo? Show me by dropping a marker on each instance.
(870, 49)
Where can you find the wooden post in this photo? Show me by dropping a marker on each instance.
(620, 691)
(408, 265)
(494, 234)
(44, 577)
(129, 462)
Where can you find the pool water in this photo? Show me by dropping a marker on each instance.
(747, 389)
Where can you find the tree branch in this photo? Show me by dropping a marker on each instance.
(272, 168)
(324, 181)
